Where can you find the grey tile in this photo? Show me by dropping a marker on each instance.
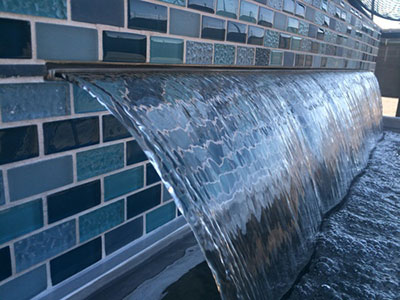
(288, 59)
(262, 57)
(34, 101)
(44, 245)
(280, 21)
(199, 53)
(39, 177)
(224, 54)
(245, 56)
(184, 23)
(59, 42)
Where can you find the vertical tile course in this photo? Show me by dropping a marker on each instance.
(199, 53)
(124, 182)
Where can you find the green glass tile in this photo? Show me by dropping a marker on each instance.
(224, 54)
(166, 50)
(43, 8)
(123, 182)
(248, 12)
(227, 8)
(160, 216)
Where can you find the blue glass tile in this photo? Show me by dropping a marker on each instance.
(312, 31)
(300, 10)
(310, 14)
(99, 161)
(305, 45)
(124, 182)
(303, 28)
(176, 2)
(134, 154)
(299, 60)
(160, 216)
(75, 260)
(262, 57)
(245, 56)
(19, 220)
(147, 16)
(70, 134)
(261, 1)
(288, 59)
(296, 43)
(203, 5)
(255, 36)
(271, 39)
(15, 37)
(166, 50)
(227, 8)
(18, 143)
(25, 287)
(213, 29)
(32, 179)
(2, 196)
(151, 175)
(265, 17)
(280, 21)
(5, 263)
(314, 47)
(237, 32)
(166, 194)
(100, 220)
(45, 244)
(72, 201)
(224, 54)
(277, 4)
(123, 235)
(199, 53)
(113, 129)
(144, 200)
(84, 103)
(183, 22)
(34, 101)
(43, 8)
(98, 11)
(59, 42)
(288, 6)
(121, 46)
(284, 41)
(248, 12)
(276, 58)
(293, 25)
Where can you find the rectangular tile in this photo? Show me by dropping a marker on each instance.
(288, 59)
(166, 194)
(123, 235)
(271, 39)
(98, 161)
(44, 245)
(199, 53)
(166, 50)
(160, 216)
(288, 6)
(39, 177)
(248, 11)
(22, 70)
(26, 286)
(293, 25)
(75, 261)
(43, 8)
(18, 143)
(70, 134)
(255, 36)
(265, 17)
(151, 175)
(21, 219)
(84, 103)
(98, 11)
(276, 58)
(113, 129)
(100, 220)
(121, 46)
(213, 28)
(284, 41)
(203, 5)
(124, 182)
(245, 56)
(144, 200)
(147, 16)
(227, 8)
(277, 4)
(34, 101)
(237, 32)
(262, 57)
(134, 154)
(2, 196)
(176, 2)
(300, 10)
(59, 42)
(184, 23)
(5, 263)
(224, 54)
(280, 21)
(72, 201)
(15, 37)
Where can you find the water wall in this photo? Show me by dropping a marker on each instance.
(253, 159)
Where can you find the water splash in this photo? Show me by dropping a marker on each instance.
(252, 159)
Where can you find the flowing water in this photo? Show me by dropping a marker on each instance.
(253, 159)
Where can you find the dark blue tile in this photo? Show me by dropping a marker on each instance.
(203, 5)
(151, 175)
(72, 201)
(280, 21)
(18, 143)
(84, 103)
(5, 263)
(213, 29)
(113, 129)
(123, 235)
(39, 177)
(70, 134)
(183, 22)
(237, 32)
(98, 11)
(44, 245)
(121, 46)
(43, 8)
(166, 50)
(255, 36)
(147, 16)
(22, 70)
(75, 261)
(288, 59)
(248, 11)
(227, 8)
(26, 286)
(144, 200)
(2, 196)
(123, 182)
(134, 154)
(21, 219)
(15, 37)
(160, 216)
(265, 17)
(34, 101)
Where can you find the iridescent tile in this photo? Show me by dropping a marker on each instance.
(199, 53)
(224, 54)
(245, 56)
(271, 39)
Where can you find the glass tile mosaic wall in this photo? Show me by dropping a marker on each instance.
(70, 175)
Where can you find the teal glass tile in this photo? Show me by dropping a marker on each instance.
(288, 6)
(262, 56)
(166, 50)
(293, 25)
(26, 286)
(122, 46)
(113, 129)
(176, 2)
(245, 56)
(199, 53)
(32, 179)
(144, 200)
(43, 8)
(151, 175)
(98, 11)
(100, 220)
(183, 22)
(59, 42)
(265, 17)
(160, 216)
(43, 245)
(276, 58)
(124, 182)
(147, 16)
(227, 8)
(271, 39)
(248, 12)
(2, 196)
(99, 161)
(224, 54)
(30, 101)
(84, 103)
(21, 219)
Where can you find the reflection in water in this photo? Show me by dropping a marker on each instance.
(253, 160)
